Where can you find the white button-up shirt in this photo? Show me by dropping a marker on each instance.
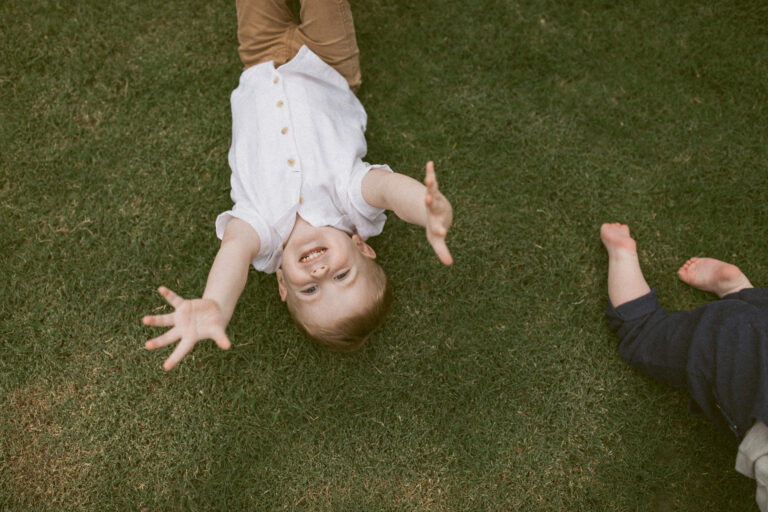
(298, 138)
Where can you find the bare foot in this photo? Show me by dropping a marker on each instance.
(625, 279)
(616, 237)
(714, 276)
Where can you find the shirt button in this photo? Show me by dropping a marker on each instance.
(284, 131)
(301, 200)
(276, 79)
(280, 103)
(291, 162)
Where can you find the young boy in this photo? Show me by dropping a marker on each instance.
(304, 201)
(718, 352)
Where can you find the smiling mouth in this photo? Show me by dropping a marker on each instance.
(312, 254)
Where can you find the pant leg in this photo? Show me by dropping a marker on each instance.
(729, 365)
(653, 340)
(758, 297)
(327, 28)
(264, 31)
(719, 352)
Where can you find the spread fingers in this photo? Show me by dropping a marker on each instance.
(173, 299)
(159, 320)
(164, 339)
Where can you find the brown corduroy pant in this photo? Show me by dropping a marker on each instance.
(269, 30)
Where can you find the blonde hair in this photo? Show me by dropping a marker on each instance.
(350, 333)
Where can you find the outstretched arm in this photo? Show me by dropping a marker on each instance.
(198, 319)
(413, 202)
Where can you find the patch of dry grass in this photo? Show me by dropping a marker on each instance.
(43, 466)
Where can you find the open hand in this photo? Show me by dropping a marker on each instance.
(439, 216)
(193, 320)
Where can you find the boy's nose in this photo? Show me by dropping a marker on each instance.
(319, 271)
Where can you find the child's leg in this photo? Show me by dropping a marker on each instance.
(718, 351)
(264, 29)
(714, 276)
(651, 339)
(625, 279)
(328, 30)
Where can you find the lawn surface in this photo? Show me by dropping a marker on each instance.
(495, 384)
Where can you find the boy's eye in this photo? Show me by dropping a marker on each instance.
(309, 290)
(341, 276)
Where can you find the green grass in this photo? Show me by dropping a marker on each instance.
(495, 384)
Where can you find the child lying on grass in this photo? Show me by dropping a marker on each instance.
(718, 352)
(304, 201)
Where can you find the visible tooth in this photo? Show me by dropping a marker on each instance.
(312, 255)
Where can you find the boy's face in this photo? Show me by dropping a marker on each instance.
(325, 274)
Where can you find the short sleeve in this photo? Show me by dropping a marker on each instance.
(268, 259)
(368, 220)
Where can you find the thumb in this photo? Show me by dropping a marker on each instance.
(221, 339)
(441, 249)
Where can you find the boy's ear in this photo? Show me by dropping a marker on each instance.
(281, 285)
(363, 247)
